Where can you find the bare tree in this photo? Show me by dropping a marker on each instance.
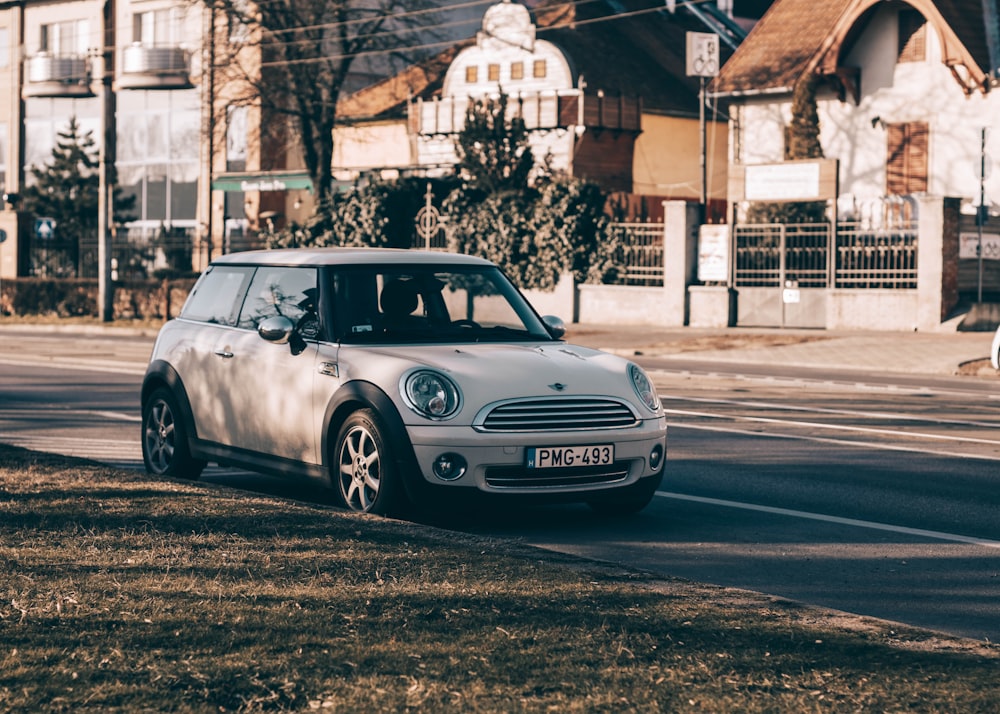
(291, 59)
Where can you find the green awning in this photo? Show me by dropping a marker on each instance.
(263, 181)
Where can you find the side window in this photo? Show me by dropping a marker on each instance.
(217, 296)
(289, 292)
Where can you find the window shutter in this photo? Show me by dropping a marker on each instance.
(912, 36)
(906, 161)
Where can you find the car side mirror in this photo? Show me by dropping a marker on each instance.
(555, 326)
(277, 329)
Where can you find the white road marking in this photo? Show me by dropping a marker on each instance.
(872, 525)
(887, 416)
(836, 427)
(80, 363)
(838, 442)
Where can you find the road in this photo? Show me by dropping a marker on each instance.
(872, 494)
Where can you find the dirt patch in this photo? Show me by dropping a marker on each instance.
(978, 368)
(673, 343)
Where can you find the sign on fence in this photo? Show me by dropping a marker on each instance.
(969, 242)
(713, 253)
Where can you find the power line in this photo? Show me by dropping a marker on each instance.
(450, 43)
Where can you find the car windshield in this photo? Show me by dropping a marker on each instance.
(376, 304)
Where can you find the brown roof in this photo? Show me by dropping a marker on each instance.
(793, 36)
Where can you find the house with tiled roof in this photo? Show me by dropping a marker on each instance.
(909, 113)
(602, 86)
(905, 90)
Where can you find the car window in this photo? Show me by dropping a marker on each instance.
(289, 292)
(429, 304)
(217, 296)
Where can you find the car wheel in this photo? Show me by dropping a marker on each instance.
(165, 448)
(627, 500)
(366, 473)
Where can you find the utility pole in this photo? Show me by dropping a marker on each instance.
(105, 203)
(981, 211)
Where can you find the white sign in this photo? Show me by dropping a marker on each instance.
(969, 243)
(702, 54)
(713, 253)
(782, 182)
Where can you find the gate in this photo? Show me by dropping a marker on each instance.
(781, 274)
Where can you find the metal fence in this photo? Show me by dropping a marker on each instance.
(772, 255)
(640, 256)
(137, 254)
(768, 255)
(882, 258)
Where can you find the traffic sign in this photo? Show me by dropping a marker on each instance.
(45, 228)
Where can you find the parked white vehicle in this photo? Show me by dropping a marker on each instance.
(398, 378)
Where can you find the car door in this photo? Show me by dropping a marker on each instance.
(266, 389)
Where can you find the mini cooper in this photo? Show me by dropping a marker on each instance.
(399, 379)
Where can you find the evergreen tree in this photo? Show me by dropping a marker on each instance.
(67, 190)
(493, 150)
(801, 142)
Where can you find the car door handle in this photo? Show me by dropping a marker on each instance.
(224, 353)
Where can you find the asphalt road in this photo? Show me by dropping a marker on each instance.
(872, 494)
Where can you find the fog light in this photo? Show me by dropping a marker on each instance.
(449, 467)
(656, 457)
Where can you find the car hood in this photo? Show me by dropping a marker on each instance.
(491, 372)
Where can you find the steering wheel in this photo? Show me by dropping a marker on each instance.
(471, 324)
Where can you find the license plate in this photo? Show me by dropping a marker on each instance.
(555, 457)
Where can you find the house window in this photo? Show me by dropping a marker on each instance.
(538, 69)
(912, 36)
(471, 74)
(517, 70)
(493, 72)
(906, 161)
(67, 38)
(156, 28)
(236, 138)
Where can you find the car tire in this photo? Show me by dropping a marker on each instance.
(365, 470)
(165, 447)
(627, 500)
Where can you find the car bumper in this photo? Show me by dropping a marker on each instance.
(497, 462)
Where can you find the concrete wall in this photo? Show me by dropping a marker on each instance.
(893, 310)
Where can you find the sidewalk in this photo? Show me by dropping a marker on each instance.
(941, 353)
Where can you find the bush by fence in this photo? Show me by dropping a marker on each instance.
(133, 300)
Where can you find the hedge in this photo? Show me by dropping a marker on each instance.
(70, 297)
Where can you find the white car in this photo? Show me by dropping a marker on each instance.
(995, 350)
(397, 378)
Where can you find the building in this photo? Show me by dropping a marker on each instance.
(205, 169)
(909, 117)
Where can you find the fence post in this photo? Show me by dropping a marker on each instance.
(680, 255)
(937, 259)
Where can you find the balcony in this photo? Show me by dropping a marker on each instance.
(145, 67)
(57, 76)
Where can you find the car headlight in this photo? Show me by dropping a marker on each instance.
(430, 394)
(643, 387)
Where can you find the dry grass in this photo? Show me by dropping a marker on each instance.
(126, 593)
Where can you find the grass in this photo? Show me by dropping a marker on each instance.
(121, 592)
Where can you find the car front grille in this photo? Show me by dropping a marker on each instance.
(521, 477)
(557, 414)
